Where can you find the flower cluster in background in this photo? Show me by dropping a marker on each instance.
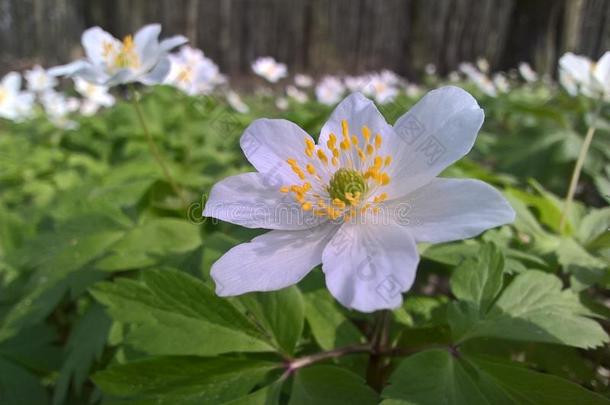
(143, 58)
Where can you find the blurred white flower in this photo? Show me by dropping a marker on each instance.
(192, 72)
(479, 79)
(236, 102)
(413, 90)
(58, 107)
(302, 80)
(501, 82)
(356, 202)
(356, 83)
(430, 69)
(270, 70)
(591, 79)
(39, 80)
(15, 104)
(281, 103)
(109, 62)
(380, 89)
(390, 78)
(94, 96)
(296, 94)
(454, 77)
(483, 65)
(329, 90)
(526, 71)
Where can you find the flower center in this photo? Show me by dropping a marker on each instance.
(124, 57)
(347, 185)
(344, 183)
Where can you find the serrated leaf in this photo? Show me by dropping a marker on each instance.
(532, 308)
(172, 313)
(439, 377)
(85, 345)
(143, 245)
(280, 313)
(183, 380)
(330, 385)
(479, 280)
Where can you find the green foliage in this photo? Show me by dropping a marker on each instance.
(105, 294)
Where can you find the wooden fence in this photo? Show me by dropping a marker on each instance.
(321, 35)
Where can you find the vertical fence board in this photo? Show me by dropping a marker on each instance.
(321, 35)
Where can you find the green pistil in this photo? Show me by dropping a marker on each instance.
(346, 181)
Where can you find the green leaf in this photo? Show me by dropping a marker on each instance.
(479, 280)
(145, 244)
(330, 385)
(328, 324)
(532, 308)
(18, 386)
(585, 268)
(183, 379)
(281, 314)
(85, 345)
(439, 377)
(172, 313)
(269, 395)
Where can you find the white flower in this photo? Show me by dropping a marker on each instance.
(192, 72)
(267, 68)
(39, 80)
(484, 84)
(139, 58)
(430, 69)
(580, 73)
(356, 83)
(302, 80)
(281, 103)
(58, 107)
(454, 77)
(330, 90)
(94, 96)
(413, 90)
(296, 94)
(501, 82)
(15, 104)
(483, 65)
(236, 102)
(526, 71)
(382, 90)
(357, 202)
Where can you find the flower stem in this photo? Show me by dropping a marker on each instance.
(154, 150)
(582, 155)
(331, 354)
(379, 347)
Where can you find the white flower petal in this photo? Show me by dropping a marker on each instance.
(158, 73)
(93, 41)
(368, 266)
(579, 67)
(440, 129)
(170, 43)
(249, 200)
(268, 143)
(451, 209)
(146, 42)
(12, 82)
(602, 72)
(271, 261)
(359, 111)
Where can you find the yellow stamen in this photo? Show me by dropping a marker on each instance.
(285, 189)
(322, 156)
(366, 132)
(344, 128)
(311, 169)
(307, 206)
(377, 141)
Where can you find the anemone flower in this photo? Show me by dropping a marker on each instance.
(356, 202)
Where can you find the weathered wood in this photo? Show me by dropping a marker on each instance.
(321, 35)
